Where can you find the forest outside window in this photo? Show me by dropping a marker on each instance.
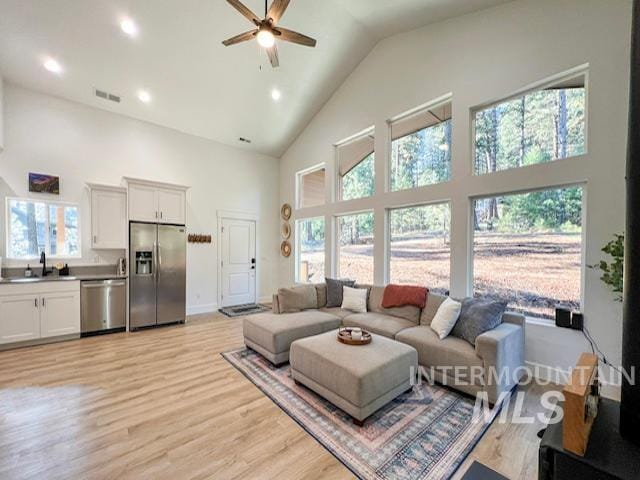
(528, 250)
(420, 251)
(355, 247)
(537, 127)
(310, 258)
(310, 187)
(356, 167)
(421, 148)
(34, 227)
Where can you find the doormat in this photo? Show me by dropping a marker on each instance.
(240, 310)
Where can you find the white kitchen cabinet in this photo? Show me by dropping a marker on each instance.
(19, 318)
(39, 310)
(143, 203)
(108, 217)
(171, 206)
(59, 314)
(156, 202)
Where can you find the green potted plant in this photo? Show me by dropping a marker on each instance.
(612, 272)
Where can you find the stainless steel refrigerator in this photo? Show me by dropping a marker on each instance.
(157, 274)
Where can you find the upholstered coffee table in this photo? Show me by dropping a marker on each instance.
(358, 379)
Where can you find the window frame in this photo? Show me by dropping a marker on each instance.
(549, 82)
(47, 204)
(432, 104)
(298, 244)
(298, 186)
(336, 157)
(335, 260)
(583, 239)
(387, 250)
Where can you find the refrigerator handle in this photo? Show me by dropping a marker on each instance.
(155, 260)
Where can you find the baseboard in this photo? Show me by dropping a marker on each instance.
(546, 373)
(267, 299)
(198, 309)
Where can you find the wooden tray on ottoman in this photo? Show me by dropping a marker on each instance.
(344, 336)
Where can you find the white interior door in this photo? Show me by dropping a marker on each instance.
(238, 265)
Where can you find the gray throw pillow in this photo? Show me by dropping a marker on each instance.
(334, 291)
(476, 317)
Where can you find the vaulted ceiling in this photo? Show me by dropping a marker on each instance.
(197, 85)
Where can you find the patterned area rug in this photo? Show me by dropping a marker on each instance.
(422, 434)
(241, 310)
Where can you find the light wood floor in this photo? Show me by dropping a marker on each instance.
(164, 404)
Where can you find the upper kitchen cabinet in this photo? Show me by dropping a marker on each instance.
(108, 217)
(156, 202)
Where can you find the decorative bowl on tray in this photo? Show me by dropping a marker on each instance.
(353, 336)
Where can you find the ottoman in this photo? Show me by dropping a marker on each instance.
(358, 379)
(271, 334)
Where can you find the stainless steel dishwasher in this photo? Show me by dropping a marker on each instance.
(103, 306)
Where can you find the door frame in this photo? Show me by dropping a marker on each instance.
(235, 215)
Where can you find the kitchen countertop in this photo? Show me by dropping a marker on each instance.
(57, 278)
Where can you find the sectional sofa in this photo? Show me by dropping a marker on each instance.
(491, 365)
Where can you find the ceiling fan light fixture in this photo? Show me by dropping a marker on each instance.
(266, 38)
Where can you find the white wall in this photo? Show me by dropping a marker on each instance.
(1, 113)
(478, 58)
(81, 144)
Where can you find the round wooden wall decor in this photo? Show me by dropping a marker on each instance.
(285, 249)
(285, 211)
(286, 231)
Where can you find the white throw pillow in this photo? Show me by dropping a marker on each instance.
(446, 317)
(354, 299)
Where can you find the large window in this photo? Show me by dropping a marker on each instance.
(421, 148)
(355, 247)
(34, 227)
(419, 251)
(356, 168)
(538, 127)
(310, 186)
(527, 249)
(310, 257)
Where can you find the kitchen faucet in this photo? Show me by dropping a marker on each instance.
(43, 261)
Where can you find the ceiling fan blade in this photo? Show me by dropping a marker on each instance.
(294, 37)
(272, 53)
(239, 6)
(243, 37)
(276, 10)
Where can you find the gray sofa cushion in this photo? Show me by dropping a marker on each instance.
(321, 290)
(429, 311)
(378, 323)
(297, 298)
(337, 312)
(433, 352)
(334, 291)
(476, 317)
(357, 374)
(408, 312)
(275, 333)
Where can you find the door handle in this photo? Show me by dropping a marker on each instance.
(95, 239)
(161, 214)
(43, 301)
(35, 302)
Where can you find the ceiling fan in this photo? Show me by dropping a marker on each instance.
(267, 31)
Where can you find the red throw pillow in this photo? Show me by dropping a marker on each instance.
(401, 295)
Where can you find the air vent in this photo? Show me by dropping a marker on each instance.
(244, 140)
(107, 96)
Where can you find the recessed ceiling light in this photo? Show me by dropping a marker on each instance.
(52, 65)
(129, 27)
(144, 96)
(276, 94)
